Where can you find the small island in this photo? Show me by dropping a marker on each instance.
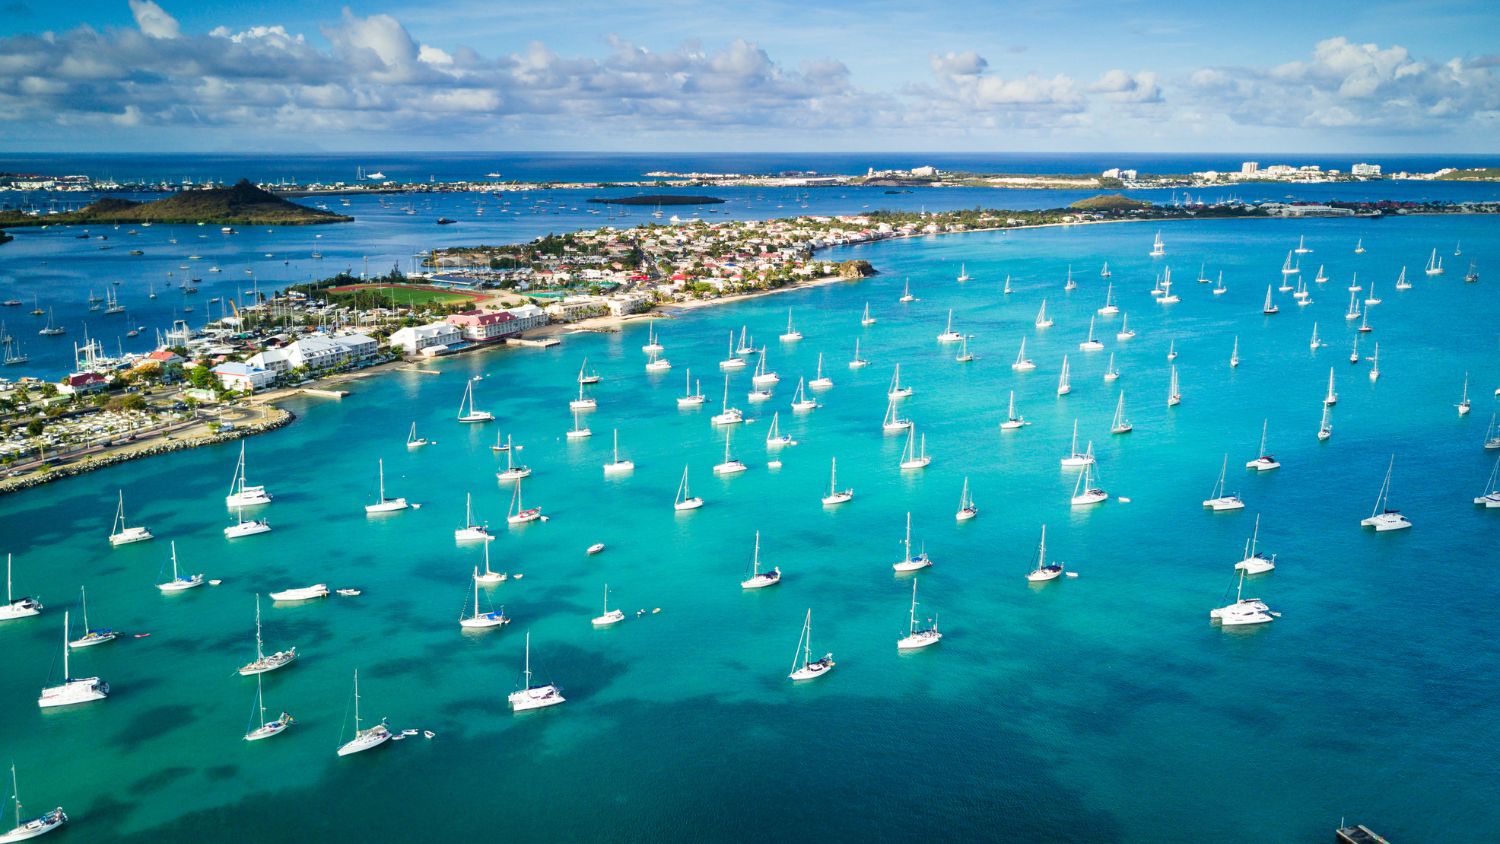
(658, 199)
(242, 204)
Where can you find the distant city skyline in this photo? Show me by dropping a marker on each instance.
(158, 75)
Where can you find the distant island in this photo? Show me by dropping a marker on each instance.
(242, 204)
(1110, 202)
(658, 199)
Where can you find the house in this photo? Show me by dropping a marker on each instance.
(484, 326)
(242, 376)
(415, 338)
(83, 382)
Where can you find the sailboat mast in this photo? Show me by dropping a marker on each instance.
(356, 703)
(67, 675)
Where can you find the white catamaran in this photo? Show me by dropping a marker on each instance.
(917, 637)
(242, 494)
(1220, 501)
(1384, 517)
(533, 697)
(121, 534)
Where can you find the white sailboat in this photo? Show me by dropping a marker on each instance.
(731, 361)
(242, 528)
(963, 273)
(913, 457)
(1044, 571)
(1434, 264)
(1219, 501)
(801, 403)
(857, 362)
(916, 637)
(949, 335)
(242, 494)
(966, 508)
(618, 466)
(791, 335)
(490, 577)
(1104, 271)
(1125, 332)
(512, 472)
(586, 375)
(746, 346)
(1301, 246)
(963, 355)
(836, 495)
(1371, 299)
(652, 345)
(1375, 364)
(1091, 345)
(1490, 498)
(760, 579)
(1492, 435)
(1265, 462)
(412, 440)
(896, 391)
(1084, 492)
(1063, 387)
(1174, 395)
(867, 319)
(1234, 354)
(1287, 268)
(906, 293)
(763, 378)
(1012, 419)
(519, 513)
(1006, 288)
(1220, 289)
(1076, 458)
(533, 697)
(364, 739)
(1171, 350)
(91, 636)
(1111, 373)
(263, 661)
(685, 500)
(1269, 308)
(731, 465)
(727, 415)
(472, 531)
(1325, 427)
(179, 582)
(774, 438)
(1110, 308)
(692, 397)
(809, 668)
(893, 423)
(1359, 246)
(908, 562)
(1167, 297)
(1463, 403)
(1354, 352)
(383, 504)
(1321, 277)
(120, 534)
(1255, 562)
(72, 691)
(482, 620)
(467, 412)
(1244, 611)
(1315, 343)
(656, 363)
(33, 827)
(1023, 363)
(1383, 517)
(1120, 425)
(821, 381)
(578, 431)
(1158, 247)
(1401, 282)
(266, 728)
(584, 401)
(1332, 398)
(1041, 316)
(608, 616)
(23, 607)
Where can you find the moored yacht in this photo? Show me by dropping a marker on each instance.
(533, 697)
(1244, 611)
(609, 616)
(966, 507)
(727, 415)
(685, 500)
(367, 738)
(1044, 571)
(791, 335)
(1023, 363)
(909, 563)
(300, 593)
(242, 528)
(1220, 501)
(618, 466)
(917, 637)
(760, 579)
(32, 827)
(180, 582)
(482, 620)
(692, 396)
(383, 504)
(72, 691)
(1084, 492)
(263, 661)
(242, 494)
(472, 531)
(1265, 461)
(731, 465)
(91, 636)
(467, 412)
(949, 335)
(120, 533)
(804, 667)
(836, 495)
(23, 607)
(1255, 562)
(1012, 419)
(1383, 517)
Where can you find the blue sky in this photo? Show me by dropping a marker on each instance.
(675, 75)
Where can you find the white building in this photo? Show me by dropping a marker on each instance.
(528, 317)
(414, 339)
(1128, 175)
(1250, 168)
(1365, 169)
(243, 376)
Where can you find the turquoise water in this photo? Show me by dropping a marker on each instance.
(1104, 707)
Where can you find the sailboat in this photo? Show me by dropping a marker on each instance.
(1371, 299)
(1375, 364)
(730, 466)
(51, 329)
(512, 472)
(1220, 501)
(1006, 288)
(482, 620)
(1044, 571)
(1125, 332)
(1463, 403)
(519, 513)
(652, 345)
(1244, 611)
(913, 457)
(857, 362)
(1041, 316)
(963, 273)
(263, 661)
(586, 375)
(1359, 246)
(728, 415)
(1234, 354)
(656, 363)
(1364, 323)
(1063, 387)
(266, 728)
(949, 335)
(179, 583)
(241, 494)
(1315, 343)
(774, 438)
(473, 414)
(472, 531)
(1104, 271)
(1287, 268)
(1023, 363)
(836, 495)
(1120, 425)
(412, 440)
(609, 616)
(1174, 395)
(1332, 398)
(1220, 289)
(1301, 246)
(867, 320)
(618, 466)
(892, 422)
(1383, 517)
(1012, 420)
(489, 577)
(1458, 248)
(1075, 457)
(1354, 352)
(1491, 496)
(242, 528)
(1269, 308)
(1111, 374)
(1321, 277)
(1254, 561)
(1158, 247)
(1325, 427)
(1172, 350)
(364, 739)
(963, 355)
(966, 508)
(791, 335)
(1110, 308)
(800, 401)
(34, 827)
(906, 293)
(1401, 282)
(533, 697)
(1091, 345)
(760, 579)
(120, 534)
(383, 504)
(908, 562)
(917, 637)
(1492, 436)
(90, 636)
(809, 668)
(763, 378)
(27, 606)
(1167, 297)
(1265, 461)
(746, 346)
(577, 432)
(1083, 491)
(693, 397)
(583, 402)
(896, 391)
(685, 499)
(1434, 264)
(72, 691)
(821, 381)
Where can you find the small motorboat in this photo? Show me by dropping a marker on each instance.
(596, 548)
(349, 593)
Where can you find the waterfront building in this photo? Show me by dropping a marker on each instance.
(415, 338)
(528, 317)
(484, 326)
(242, 376)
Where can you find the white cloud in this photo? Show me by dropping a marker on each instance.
(1121, 86)
(153, 20)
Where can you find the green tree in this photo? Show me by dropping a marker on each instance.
(200, 376)
(35, 427)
